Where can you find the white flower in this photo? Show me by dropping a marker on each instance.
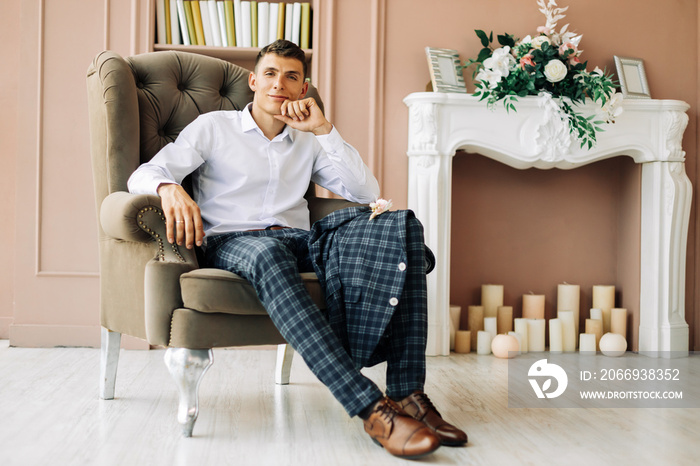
(555, 71)
(612, 108)
(539, 40)
(490, 76)
(500, 60)
(379, 207)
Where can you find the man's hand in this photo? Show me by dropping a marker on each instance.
(182, 216)
(304, 115)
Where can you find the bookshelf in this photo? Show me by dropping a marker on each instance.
(242, 56)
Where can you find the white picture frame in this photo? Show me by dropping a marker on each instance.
(633, 79)
(445, 70)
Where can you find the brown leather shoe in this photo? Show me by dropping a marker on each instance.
(418, 406)
(399, 433)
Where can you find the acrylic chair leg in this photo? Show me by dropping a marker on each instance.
(285, 354)
(109, 357)
(187, 367)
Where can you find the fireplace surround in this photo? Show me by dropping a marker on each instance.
(649, 131)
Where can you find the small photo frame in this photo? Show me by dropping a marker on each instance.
(445, 70)
(633, 79)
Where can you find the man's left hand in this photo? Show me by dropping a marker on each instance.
(304, 115)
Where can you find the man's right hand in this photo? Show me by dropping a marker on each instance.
(182, 216)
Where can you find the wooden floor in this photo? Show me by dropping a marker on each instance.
(50, 415)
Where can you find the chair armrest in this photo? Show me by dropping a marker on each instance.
(139, 217)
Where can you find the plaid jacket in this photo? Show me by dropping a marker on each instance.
(359, 263)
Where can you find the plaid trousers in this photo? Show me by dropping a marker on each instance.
(271, 261)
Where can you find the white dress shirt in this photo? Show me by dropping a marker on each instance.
(242, 181)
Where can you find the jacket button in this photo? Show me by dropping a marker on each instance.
(402, 266)
(393, 301)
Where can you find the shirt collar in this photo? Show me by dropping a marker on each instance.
(249, 124)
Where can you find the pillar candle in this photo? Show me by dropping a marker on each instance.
(475, 316)
(568, 331)
(569, 299)
(491, 325)
(521, 329)
(604, 299)
(505, 319)
(462, 341)
(455, 314)
(618, 321)
(555, 335)
(520, 340)
(595, 327)
(535, 335)
(596, 314)
(483, 343)
(491, 298)
(533, 306)
(586, 343)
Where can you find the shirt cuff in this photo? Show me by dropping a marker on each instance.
(331, 142)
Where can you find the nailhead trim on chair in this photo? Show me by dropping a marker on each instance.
(147, 214)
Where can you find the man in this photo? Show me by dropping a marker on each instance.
(251, 169)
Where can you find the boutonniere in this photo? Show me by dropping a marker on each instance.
(379, 207)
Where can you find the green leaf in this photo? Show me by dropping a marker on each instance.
(484, 38)
(506, 40)
(484, 54)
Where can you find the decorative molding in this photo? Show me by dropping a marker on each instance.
(376, 87)
(422, 133)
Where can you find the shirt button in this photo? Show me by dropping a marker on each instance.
(402, 266)
(393, 301)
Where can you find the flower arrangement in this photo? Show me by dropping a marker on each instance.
(379, 207)
(547, 65)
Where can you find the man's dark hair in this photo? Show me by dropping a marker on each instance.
(283, 48)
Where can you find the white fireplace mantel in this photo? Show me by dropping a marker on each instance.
(649, 131)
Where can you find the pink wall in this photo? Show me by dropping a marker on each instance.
(50, 291)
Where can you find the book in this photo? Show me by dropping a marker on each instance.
(305, 29)
(190, 23)
(214, 23)
(238, 21)
(161, 37)
(254, 23)
(197, 22)
(206, 22)
(221, 9)
(246, 28)
(281, 21)
(288, 14)
(263, 23)
(174, 24)
(296, 23)
(272, 24)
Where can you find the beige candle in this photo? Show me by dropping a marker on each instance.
(505, 319)
(535, 335)
(555, 336)
(491, 298)
(595, 327)
(568, 331)
(533, 306)
(521, 329)
(596, 314)
(618, 321)
(455, 315)
(586, 343)
(520, 340)
(569, 299)
(491, 325)
(604, 299)
(475, 319)
(462, 341)
(483, 343)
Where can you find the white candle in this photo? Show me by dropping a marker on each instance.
(604, 299)
(521, 329)
(483, 342)
(595, 327)
(568, 331)
(491, 325)
(505, 319)
(462, 341)
(491, 298)
(455, 314)
(535, 335)
(587, 343)
(596, 314)
(533, 306)
(618, 321)
(569, 299)
(520, 340)
(475, 318)
(555, 335)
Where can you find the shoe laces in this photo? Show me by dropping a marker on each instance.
(389, 410)
(425, 403)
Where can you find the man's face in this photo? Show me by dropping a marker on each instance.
(276, 80)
